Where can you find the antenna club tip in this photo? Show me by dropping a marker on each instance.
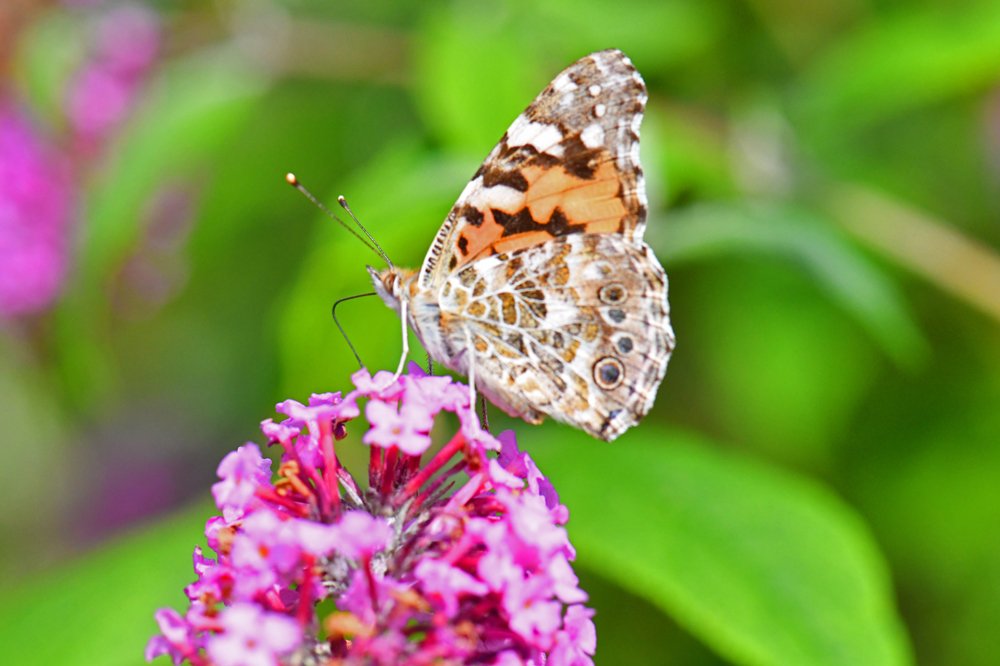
(292, 180)
(341, 200)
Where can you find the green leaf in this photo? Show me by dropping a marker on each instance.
(778, 367)
(655, 34)
(32, 447)
(852, 281)
(767, 568)
(469, 96)
(198, 105)
(98, 611)
(936, 501)
(192, 111)
(49, 52)
(914, 58)
(697, 161)
(630, 629)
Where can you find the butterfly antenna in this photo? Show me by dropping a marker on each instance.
(346, 339)
(343, 204)
(294, 182)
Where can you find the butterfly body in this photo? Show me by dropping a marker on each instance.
(539, 276)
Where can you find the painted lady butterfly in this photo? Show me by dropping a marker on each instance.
(539, 285)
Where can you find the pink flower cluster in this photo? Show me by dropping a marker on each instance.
(36, 202)
(37, 184)
(462, 560)
(101, 94)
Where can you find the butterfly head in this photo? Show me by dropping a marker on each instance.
(390, 284)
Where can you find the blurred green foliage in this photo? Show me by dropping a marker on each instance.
(839, 504)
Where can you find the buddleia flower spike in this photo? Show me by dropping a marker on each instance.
(458, 559)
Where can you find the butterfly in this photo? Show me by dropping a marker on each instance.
(538, 286)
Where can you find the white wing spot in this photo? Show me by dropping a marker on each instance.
(563, 83)
(636, 122)
(594, 90)
(517, 129)
(621, 141)
(602, 66)
(634, 154)
(499, 196)
(640, 193)
(541, 136)
(592, 136)
(599, 110)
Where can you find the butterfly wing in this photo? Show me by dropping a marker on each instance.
(568, 164)
(541, 264)
(577, 328)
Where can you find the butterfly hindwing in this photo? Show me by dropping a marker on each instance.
(576, 328)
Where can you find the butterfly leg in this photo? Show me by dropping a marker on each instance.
(482, 405)
(406, 341)
(471, 351)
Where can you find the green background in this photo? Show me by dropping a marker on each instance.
(818, 481)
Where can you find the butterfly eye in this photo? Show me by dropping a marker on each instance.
(609, 373)
(389, 282)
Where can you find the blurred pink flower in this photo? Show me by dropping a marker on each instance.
(97, 101)
(128, 40)
(421, 572)
(102, 93)
(361, 535)
(36, 202)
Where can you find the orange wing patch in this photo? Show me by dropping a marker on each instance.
(474, 241)
(555, 203)
(583, 202)
(519, 241)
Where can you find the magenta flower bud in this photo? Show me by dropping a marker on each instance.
(176, 639)
(422, 567)
(361, 535)
(253, 637)
(445, 583)
(242, 471)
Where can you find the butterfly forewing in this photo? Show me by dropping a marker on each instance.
(568, 164)
(539, 275)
